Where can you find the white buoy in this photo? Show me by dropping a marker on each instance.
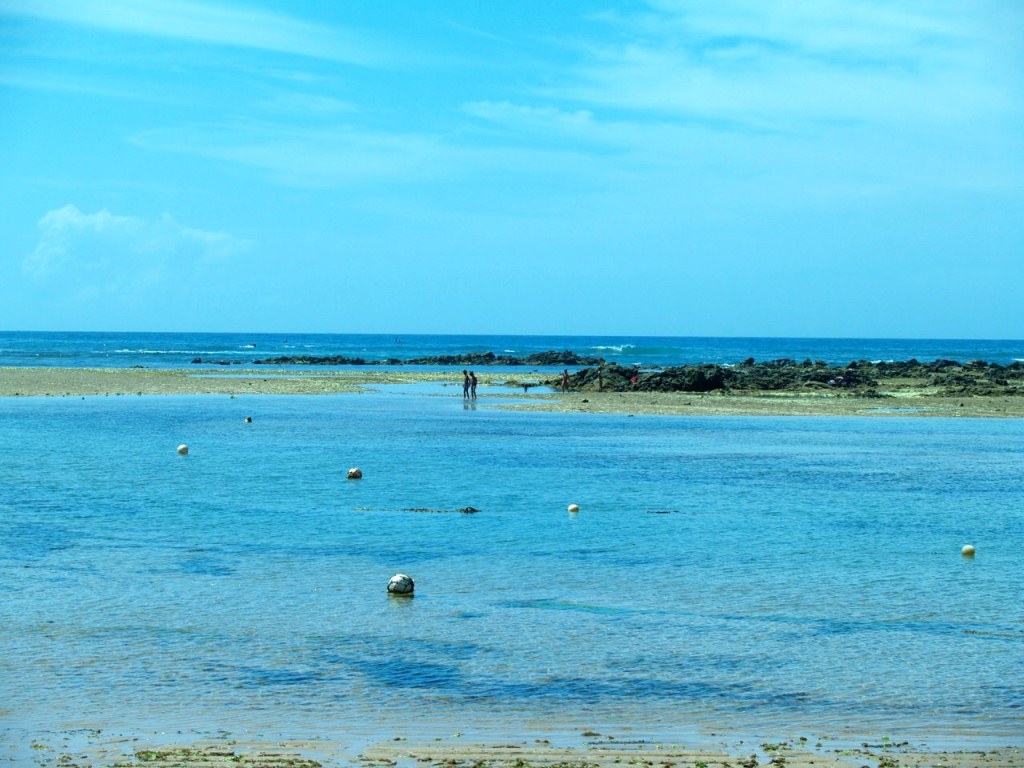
(574, 507)
(967, 551)
(183, 450)
(355, 473)
(400, 584)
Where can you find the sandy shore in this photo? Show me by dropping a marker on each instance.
(593, 750)
(498, 389)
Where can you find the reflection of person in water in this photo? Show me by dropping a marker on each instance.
(472, 384)
(465, 384)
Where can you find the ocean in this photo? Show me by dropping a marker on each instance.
(781, 577)
(178, 350)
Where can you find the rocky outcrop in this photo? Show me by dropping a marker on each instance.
(474, 359)
(861, 377)
(317, 360)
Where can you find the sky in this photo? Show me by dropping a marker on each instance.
(837, 168)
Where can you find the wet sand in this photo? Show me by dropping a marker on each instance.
(503, 389)
(96, 748)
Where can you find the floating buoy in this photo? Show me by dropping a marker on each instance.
(400, 584)
(183, 450)
(355, 473)
(967, 551)
(248, 419)
(574, 507)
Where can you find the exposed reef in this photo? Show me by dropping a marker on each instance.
(476, 359)
(858, 378)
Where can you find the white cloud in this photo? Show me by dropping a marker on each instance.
(105, 254)
(209, 23)
(784, 65)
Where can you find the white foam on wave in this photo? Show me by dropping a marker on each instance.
(613, 348)
(164, 352)
(187, 352)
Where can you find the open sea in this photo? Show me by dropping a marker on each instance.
(177, 350)
(757, 575)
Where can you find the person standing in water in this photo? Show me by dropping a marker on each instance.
(565, 380)
(465, 384)
(472, 385)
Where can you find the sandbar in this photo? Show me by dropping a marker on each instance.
(504, 390)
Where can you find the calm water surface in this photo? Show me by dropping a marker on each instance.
(758, 574)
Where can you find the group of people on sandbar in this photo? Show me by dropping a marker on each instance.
(468, 385)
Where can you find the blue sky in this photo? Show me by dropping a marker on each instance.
(727, 168)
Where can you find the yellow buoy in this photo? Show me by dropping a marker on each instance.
(967, 551)
(574, 507)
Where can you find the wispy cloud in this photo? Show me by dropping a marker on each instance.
(340, 155)
(781, 66)
(65, 82)
(307, 104)
(336, 155)
(529, 116)
(801, 98)
(232, 25)
(122, 256)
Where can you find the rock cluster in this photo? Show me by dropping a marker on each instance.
(861, 377)
(552, 358)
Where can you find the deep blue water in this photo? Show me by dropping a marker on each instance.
(778, 576)
(120, 350)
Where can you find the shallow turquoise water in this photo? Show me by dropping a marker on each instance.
(756, 574)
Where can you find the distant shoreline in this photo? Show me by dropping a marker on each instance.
(908, 397)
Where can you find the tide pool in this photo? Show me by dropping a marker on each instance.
(763, 575)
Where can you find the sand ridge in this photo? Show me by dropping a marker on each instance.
(504, 390)
(99, 749)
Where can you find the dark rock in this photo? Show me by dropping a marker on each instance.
(687, 378)
(315, 360)
(475, 359)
